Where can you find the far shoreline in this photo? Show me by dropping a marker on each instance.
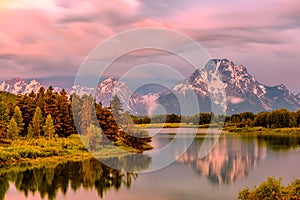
(226, 129)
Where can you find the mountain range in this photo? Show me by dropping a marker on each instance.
(240, 92)
(243, 92)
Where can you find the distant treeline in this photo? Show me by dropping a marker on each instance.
(281, 118)
(48, 113)
(197, 119)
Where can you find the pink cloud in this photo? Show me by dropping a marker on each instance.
(256, 34)
(151, 23)
(234, 100)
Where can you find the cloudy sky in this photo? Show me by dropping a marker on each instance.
(49, 39)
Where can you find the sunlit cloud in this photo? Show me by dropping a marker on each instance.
(26, 4)
(59, 34)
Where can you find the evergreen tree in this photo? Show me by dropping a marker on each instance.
(37, 122)
(18, 118)
(40, 98)
(51, 107)
(13, 129)
(85, 114)
(4, 120)
(10, 108)
(116, 107)
(107, 123)
(27, 106)
(65, 116)
(75, 106)
(30, 132)
(49, 128)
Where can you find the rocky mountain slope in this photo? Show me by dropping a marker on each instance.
(243, 92)
(239, 92)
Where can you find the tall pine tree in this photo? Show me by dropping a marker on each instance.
(116, 107)
(85, 114)
(13, 129)
(40, 98)
(75, 107)
(30, 133)
(4, 120)
(51, 107)
(18, 118)
(49, 128)
(37, 122)
(64, 115)
(107, 123)
(27, 106)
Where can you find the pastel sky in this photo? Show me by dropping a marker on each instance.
(49, 39)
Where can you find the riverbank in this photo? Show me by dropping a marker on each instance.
(228, 129)
(71, 148)
(55, 149)
(257, 131)
(176, 125)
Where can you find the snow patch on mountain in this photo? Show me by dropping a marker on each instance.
(215, 86)
(232, 88)
(80, 90)
(227, 85)
(19, 86)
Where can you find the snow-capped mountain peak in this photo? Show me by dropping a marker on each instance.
(242, 91)
(15, 86)
(80, 90)
(229, 85)
(20, 86)
(34, 85)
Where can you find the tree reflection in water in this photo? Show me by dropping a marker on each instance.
(49, 179)
(280, 143)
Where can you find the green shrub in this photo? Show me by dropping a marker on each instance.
(272, 189)
(40, 148)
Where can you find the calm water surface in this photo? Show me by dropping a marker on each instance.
(234, 163)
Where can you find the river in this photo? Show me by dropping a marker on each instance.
(234, 163)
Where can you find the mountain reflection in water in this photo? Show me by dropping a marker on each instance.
(228, 161)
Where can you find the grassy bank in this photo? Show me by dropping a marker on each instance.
(256, 131)
(230, 128)
(175, 125)
(55, 149)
